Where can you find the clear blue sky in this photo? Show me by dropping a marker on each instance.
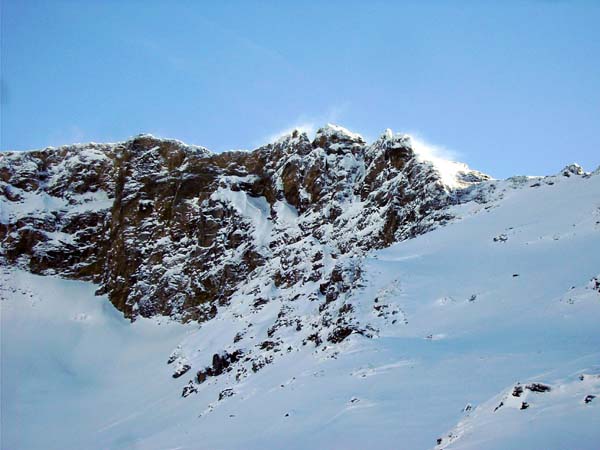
(513, 87)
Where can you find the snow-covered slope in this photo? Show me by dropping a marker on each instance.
(432, 335)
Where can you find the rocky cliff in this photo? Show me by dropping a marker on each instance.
(169, 229)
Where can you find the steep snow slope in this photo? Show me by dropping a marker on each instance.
(506, 293)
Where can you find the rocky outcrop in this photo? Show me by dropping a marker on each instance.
(169, 229)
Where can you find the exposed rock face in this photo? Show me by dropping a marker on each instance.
(170, 229)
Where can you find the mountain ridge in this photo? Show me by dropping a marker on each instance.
(336, 168)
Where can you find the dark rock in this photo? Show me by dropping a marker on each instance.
(538, 387)
(315, 338)
(572, 169)
(201, 376)
(339, 334)
(220, 363)
(517, 391)
(189, 389)
(268, 345)
(182, 370)
(260, 302)
(226, 393)
(595, 284)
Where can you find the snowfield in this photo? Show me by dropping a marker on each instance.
(471, 318)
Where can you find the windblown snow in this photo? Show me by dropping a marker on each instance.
(485, 335)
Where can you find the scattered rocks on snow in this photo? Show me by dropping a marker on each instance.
(585, 376)
(261, 362)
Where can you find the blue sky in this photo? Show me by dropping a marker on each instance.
(508, 87)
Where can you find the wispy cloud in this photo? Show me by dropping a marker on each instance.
(432, 151)
(306, 124)
(443, 159)
(304, 127)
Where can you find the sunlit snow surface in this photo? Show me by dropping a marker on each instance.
(475, 315)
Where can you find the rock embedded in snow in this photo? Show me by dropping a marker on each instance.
(189, 389)
(517, 391)
(181, 370)
(572, 169)
(538, 387)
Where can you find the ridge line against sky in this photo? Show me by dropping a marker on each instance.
(514, 87)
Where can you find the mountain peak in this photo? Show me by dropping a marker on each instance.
(335, 135)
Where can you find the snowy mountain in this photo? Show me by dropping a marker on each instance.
(308, 294)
